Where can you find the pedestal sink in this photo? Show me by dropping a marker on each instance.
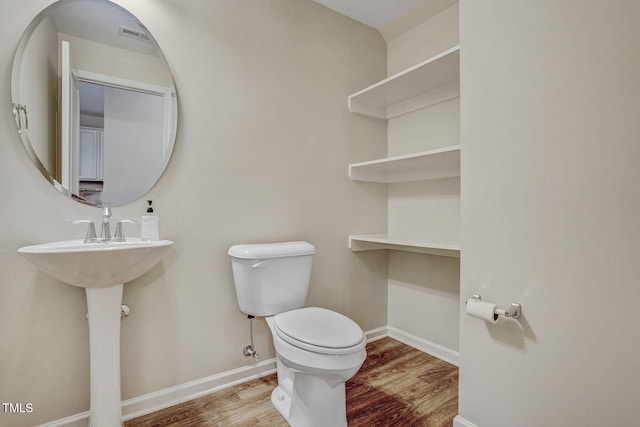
(102, 269)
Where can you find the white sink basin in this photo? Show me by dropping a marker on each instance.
(96, 265)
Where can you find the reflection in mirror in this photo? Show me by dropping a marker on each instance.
(94, 101)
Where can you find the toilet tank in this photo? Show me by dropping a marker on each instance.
(271, 278)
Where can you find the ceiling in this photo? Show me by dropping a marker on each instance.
(374, 13)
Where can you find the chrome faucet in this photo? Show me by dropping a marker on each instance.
(105, 234)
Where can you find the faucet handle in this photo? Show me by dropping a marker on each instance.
(119, 234)
(91, 236)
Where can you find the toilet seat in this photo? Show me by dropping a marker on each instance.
(320, 331)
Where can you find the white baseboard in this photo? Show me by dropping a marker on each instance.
(376, 334)
(167, 397)
(162, 399)
(458, 421)
(77, 420)
(436, 350)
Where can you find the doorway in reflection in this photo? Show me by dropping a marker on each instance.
(117, 126)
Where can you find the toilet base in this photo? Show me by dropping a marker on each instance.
(281, 401)
(310, 402)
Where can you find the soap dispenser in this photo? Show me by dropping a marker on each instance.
(150, 225)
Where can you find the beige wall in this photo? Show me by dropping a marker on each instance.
(263, 144)
(550, 172)
(424, 289)
(421, 40)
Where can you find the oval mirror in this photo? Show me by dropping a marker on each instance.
(94, 101)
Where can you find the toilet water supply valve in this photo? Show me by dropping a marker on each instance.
(250, 350)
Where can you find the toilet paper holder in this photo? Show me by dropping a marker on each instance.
(515, 311)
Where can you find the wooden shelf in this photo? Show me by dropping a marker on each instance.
(433, 164)
(371, 242)
(431, 81)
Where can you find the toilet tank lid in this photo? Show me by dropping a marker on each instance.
(272, 250)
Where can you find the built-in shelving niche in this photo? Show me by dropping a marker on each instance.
(434, 80)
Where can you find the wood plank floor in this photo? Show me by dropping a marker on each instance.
(396, 386)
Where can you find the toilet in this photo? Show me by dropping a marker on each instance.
(317, 350)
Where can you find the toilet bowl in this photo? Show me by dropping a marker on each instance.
(317, 350)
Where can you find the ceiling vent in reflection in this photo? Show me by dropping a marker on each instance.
(134, 34)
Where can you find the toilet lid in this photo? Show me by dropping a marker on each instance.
(318, 328)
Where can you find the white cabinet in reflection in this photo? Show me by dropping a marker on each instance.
(91, 156)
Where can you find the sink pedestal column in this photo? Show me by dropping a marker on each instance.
(104, 348)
